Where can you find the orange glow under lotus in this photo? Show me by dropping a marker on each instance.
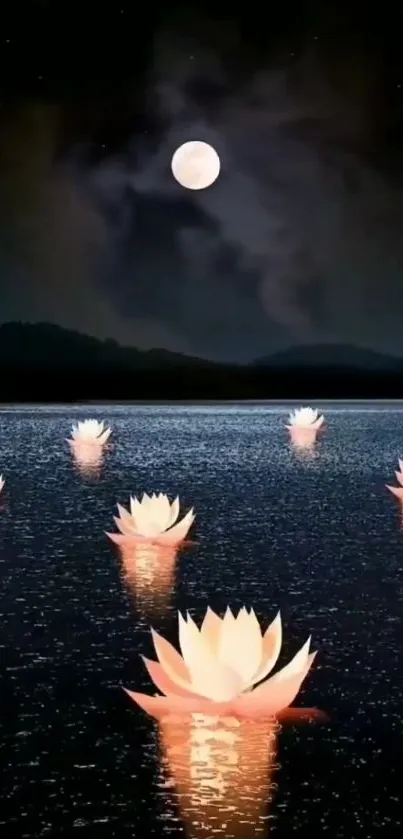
(88, 458)
(154, 519)
(220, 668)
(398, 491)
(219, 772)
(149, 572)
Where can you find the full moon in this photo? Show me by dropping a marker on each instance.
(195, 165)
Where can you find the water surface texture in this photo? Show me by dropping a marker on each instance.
(315, 534)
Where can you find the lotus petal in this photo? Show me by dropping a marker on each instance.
(127, 521)
(276, 693)
(151, 515)
(399, 477)
(162, 511)
(154, 507)
(124, 539)
(171, 662)
(143, 502)
(144, 519)
(318, 423)
(240, 646)
(208, 677)
(118, 538)
(162, 681)
(178, 532)
(271, 644)
(211, 630)
(104, 437)
(124, 527)
(158, 705)
(174, 512)
(397, 491)
(134, 504)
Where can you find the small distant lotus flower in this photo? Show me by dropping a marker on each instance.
(220, 665)
(90, 432)
(398, 491)
(2, 482)
(304, 424)
(306, 418)
(153, 519)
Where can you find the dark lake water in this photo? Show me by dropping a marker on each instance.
(316, 535)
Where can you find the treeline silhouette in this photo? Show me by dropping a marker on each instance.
(46, 363)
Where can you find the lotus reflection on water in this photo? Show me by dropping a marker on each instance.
(87, 458)
(154, 519)
(223, 669)
(398, 491)
(220, 771)
(91, 432)
(149, 572)
(303, 425)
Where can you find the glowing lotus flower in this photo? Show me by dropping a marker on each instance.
(306, 418)
(2, 482)
(303, 425)
(220, 666)
(90, 432)
(398, 491)
(153, 519)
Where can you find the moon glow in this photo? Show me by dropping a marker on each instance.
(195, 165)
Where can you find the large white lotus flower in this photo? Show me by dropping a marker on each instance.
(306, 418)
(153, 519)
(220, 666)
(90, 431)
(398, 491)
(2, 482)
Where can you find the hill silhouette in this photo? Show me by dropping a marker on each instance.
(43, 362)
(331, 356)
(54, 347)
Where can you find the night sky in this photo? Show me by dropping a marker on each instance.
(301, 238)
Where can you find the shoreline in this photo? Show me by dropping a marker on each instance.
(201, 402)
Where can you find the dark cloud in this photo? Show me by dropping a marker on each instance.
(62, 238)
(297, 199)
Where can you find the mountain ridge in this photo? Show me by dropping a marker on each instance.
(23, 341)
(330, 355)
(36, 342)
(47, 363)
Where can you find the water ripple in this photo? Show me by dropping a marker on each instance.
(316, 535)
